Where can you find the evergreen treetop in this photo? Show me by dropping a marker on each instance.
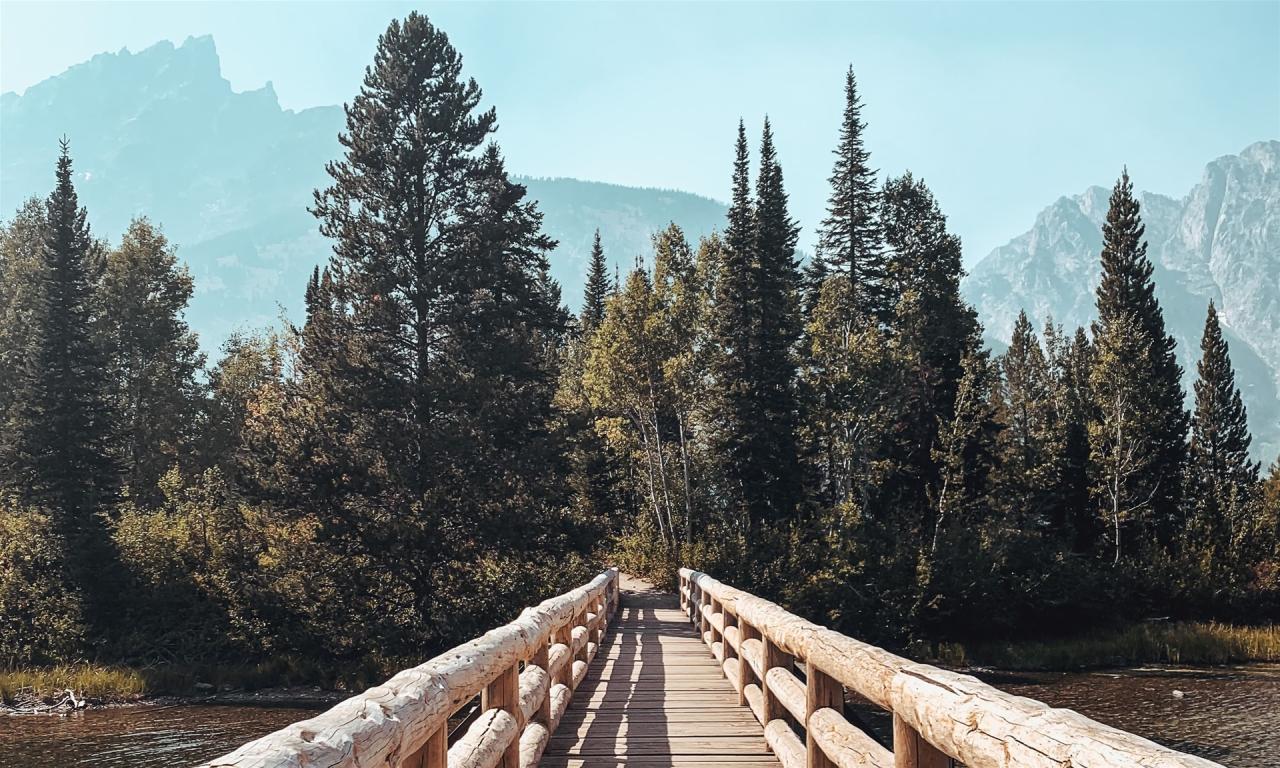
(597, 289)
(849, 240)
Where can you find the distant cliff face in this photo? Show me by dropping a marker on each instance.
(230, 175)
(1220, 242)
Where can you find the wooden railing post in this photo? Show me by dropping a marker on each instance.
(746, 672)
(543, 659)
(773, 656)
(579, 621)
(910, 750)
(716, 635)
(729, 653)
(821, 691)
(504, 693)
(564, 675)
(704, 623)
(433, 754)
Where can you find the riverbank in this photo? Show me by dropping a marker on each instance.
(281, 681)
(1194, 643)
(292, 681)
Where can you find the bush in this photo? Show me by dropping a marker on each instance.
(41, 616)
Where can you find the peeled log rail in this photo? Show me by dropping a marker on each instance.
(939, 716)
(403, 722)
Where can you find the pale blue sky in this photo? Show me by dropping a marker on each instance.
(1001, 107)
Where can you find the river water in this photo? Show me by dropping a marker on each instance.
(1230, 715)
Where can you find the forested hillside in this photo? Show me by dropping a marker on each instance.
(438, 442)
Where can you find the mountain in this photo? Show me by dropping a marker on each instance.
(229, 176)
(1219, 242)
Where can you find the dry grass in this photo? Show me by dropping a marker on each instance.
(1152, 643)
(105, 683)
(117, 684)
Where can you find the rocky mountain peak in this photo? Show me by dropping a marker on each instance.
(1220, 242)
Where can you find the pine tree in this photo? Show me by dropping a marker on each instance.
(1123, 449)
(776, 294)
(58, 436)
(598, 288)
(849, 240)
(932, 326)
(60, 422)
(734, 325)
(1028, 466)
(441, 327)
(1221, 477)
(1126, 297)
(154, 358)
(21, 279)
(1071, 359)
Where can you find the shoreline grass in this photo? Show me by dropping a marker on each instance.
(115, 684)
(1194, 643)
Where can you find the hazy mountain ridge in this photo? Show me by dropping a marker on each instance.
(1221, 242)
(229, 176)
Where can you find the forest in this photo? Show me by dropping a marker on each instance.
(442, 442)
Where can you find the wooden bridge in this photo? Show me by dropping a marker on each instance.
(717, 677)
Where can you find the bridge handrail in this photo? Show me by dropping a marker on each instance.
(403, 723)
(938, 715)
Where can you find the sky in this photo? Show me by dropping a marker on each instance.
(1000, 107)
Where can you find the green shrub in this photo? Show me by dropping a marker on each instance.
(41, 616)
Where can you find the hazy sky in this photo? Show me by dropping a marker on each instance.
(1001, 107)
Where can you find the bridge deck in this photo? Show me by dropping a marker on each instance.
(655, 697)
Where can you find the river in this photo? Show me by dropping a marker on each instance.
(1230, 715)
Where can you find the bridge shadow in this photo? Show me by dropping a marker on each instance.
(618, 712)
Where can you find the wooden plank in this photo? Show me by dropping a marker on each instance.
(656, 697)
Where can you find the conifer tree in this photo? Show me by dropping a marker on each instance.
(57, 451)
(598, 288)
(60, 421)
(441, 323)
(776, 294)
(1071, 359)
(21, 244)
(1126, 297)
(849, 240)
(1029, 461)
(1221, 477)
(1123, 450)
(734, 325)
(154, 358)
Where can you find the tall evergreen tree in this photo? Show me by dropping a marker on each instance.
(57, 451)
(154, 358)
(440, 323)
(1071, 361)
(932, 326)
(60, 420)
(1126, 295)
(734, 324)
(597, 290)
(776, 295)
(1221, 477)
(849, 240)
(1028, 467)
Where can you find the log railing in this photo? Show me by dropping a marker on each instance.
(940, 718)
(524, 672)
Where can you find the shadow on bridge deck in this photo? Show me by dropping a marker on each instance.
(655, 697)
